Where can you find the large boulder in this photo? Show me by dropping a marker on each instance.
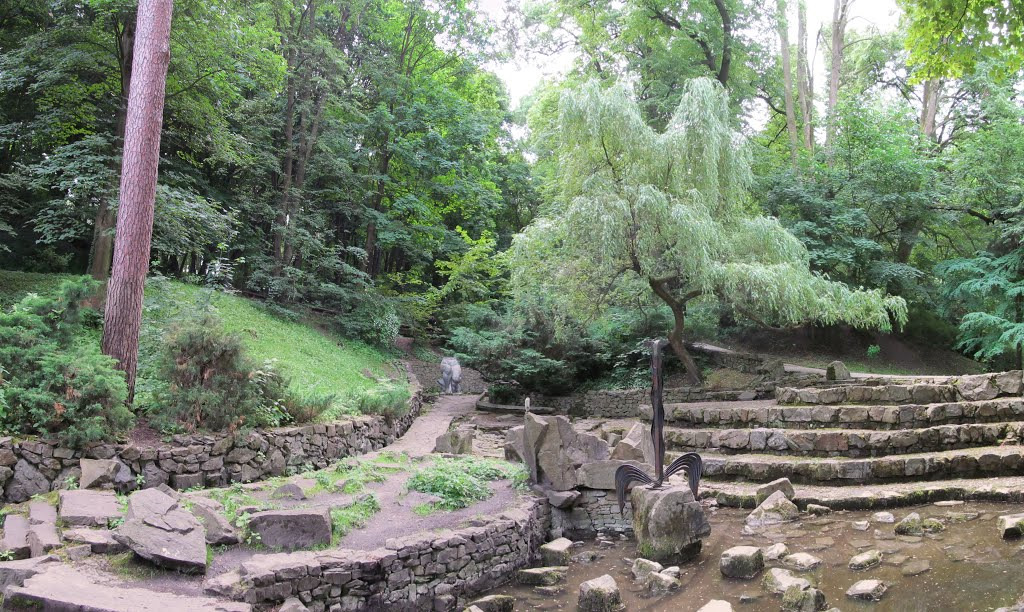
(458, 441)
(669, 523)
(97, 473)
(552, 450)
(514, 445)
(773, 510)
(631, 446)
(764, 491)
(157, 530)
(292, 529)
(26, 482)
(600, 595)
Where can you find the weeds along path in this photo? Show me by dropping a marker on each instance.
(420, 438)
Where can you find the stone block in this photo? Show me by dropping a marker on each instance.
(669, 524)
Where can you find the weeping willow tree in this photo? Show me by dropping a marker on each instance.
(667, 216)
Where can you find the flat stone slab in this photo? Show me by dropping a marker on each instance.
(40, 512)
(741, 562)
(15, 573)
(292, 529)
(100, 541)
(85, 508)
(157, 530)
(542, 576)
(63, 588)
(42, 538)
(801, 561)
(867, 590)
(556, 552)
(15, 537)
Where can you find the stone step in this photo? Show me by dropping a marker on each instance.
(64, 589)
(842, 442)
(985, 461)
(1009, 489)
(968, 388)
(768, 413)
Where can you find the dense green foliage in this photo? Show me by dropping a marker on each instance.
(461, 481)
(52, 380)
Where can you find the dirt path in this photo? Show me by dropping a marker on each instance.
(420, 438)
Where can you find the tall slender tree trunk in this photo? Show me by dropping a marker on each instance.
(805, 86)
(930, 107)
(787, 81)
(139, 167)
(840, 14)
(103, 225)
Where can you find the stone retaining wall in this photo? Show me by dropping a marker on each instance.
(966, 388)
(625, 403)
(32, 466)
(594, 511)
(427, 571)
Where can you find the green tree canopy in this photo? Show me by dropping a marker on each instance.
(668, 214)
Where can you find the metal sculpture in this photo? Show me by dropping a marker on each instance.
(691, 463)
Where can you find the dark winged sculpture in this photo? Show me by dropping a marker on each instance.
(690, 462)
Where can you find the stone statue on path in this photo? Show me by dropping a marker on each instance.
(451, 375)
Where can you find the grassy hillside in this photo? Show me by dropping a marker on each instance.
(316, 362)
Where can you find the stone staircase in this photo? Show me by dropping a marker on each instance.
(896, 432)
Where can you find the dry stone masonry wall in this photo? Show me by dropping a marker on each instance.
(436, 571)
(33, 466)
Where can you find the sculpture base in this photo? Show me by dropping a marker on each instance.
(669, 523)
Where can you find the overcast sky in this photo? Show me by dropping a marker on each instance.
(523, 74)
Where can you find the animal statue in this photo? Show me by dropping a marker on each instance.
(451, 375)
(691, 463)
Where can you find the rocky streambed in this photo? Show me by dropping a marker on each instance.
(966, 566)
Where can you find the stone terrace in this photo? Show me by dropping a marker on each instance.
(897, 431)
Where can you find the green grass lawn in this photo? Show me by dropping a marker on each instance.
(315, 361)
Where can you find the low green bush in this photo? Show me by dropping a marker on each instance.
(53, 378)
(462, 481)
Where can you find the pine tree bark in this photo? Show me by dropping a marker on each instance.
(103, 224)
(805, 86)
(139, 167)
(787, 81)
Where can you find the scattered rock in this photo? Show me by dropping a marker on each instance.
(660, 582)
(774, 510)
(293, 604)
(865, 560)
(289, 490)
(588, 556)
(25, 482)
(563, 499)
(861, 525)
(642, 568)
(775, 552)
(495, 603)
(764, 491)
(157, 530)
(669, 524)
(883, 517)
(716, 605)
(630, 447)
(1011, 525)
(600, 595)
(741, 562)
(868, 590)
(817, 510)
(541, 576)
(837, 370)
(42, 538)
(916, 567)
(549, 591)
(556, 553)
(86, 508)
(458, 441)
(778, 581)
(210, 512)
(77, 553)
(672, 572)
(801, 561)
(98, 473)
(796, 599)
(292, 529)
(913, 525)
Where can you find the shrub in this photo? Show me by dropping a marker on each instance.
(461, 481)
(388, 400)
(54, 378)
(209, 383)
(874, 351)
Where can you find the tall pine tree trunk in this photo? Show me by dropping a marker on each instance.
(103, 226)
(787, 81)
(139, 166)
